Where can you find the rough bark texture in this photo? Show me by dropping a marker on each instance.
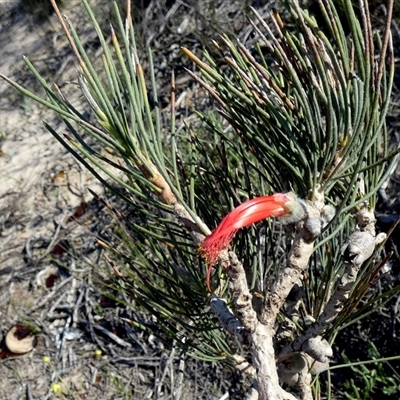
(297, 261)
(264, 362)
(242, 298)
(358, 247)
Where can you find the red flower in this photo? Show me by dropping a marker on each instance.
(250, 212)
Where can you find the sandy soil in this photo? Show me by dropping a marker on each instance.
(83, 349)
(41, 185)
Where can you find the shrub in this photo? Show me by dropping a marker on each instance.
(301, 115)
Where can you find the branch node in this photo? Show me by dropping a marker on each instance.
(318, 348)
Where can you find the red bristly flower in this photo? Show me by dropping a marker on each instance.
(250, 212)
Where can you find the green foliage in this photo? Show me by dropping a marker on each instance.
(158, 263)
(309, 103)
(305, 110)
(374, 379)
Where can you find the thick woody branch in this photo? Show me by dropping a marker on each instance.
(260, 337)
(359, 246)
(264, 362)
(304, 385)
(241, 295)
(297, 261)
